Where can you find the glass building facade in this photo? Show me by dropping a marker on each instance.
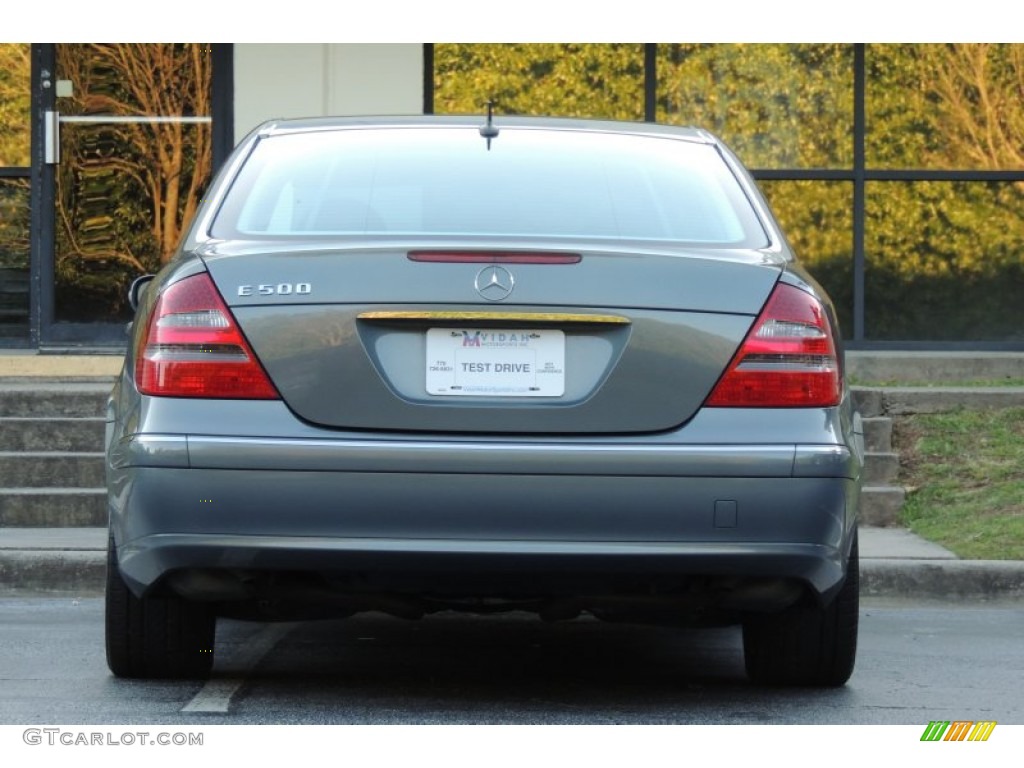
(105, 150)
(897, 171)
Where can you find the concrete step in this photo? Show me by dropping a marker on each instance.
(901, 401)
(52, 507)
(881, 468)
(52, 470)
(907, 400)
(934, 367)
(48, 400)
(881, 505)
(878, 434)
(57, 434)
(868, 401)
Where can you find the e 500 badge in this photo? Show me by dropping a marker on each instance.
(281, 289)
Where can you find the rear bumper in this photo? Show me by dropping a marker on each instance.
(480, 458)
(329, 506)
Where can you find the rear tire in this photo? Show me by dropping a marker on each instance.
(155, 637)
(807, 644)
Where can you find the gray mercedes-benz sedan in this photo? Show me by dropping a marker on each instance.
(426, 364)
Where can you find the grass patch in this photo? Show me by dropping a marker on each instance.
(965, 472)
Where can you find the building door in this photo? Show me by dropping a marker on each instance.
(127, 149)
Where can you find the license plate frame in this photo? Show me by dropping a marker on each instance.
(495, 362)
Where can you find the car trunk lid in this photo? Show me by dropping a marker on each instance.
(603, 341)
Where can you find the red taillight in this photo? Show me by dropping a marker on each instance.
(193, 348)
(788, 359)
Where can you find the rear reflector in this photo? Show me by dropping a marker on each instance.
(788, 359)
(194, 348)
(494, 257)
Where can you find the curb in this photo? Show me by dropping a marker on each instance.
(943, 579)
(82, 572)
(64, 572)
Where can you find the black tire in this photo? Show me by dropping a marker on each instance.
(155, 637)
(807, 644)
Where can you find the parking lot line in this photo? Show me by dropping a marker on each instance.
(229, 677)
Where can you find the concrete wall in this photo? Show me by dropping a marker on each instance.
(313, 79)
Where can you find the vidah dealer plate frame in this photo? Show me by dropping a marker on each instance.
(495, 362)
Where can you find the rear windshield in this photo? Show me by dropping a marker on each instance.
(445, 181)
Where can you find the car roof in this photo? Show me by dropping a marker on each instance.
(320, 124)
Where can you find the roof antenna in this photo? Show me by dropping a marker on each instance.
(489, 130)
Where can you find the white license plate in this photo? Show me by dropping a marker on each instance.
(489, 362)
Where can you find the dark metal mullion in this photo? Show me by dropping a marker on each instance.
(807, 174)
(923, 175)
(650, 82)
(859, 179)
(822, 174)
(41, 284)
(222, 103)
(828, 174)
(428, 78)
(15, 172)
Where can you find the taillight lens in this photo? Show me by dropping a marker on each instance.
(788, 359)
(193, 348)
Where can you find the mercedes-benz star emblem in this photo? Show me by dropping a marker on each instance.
(494, 283)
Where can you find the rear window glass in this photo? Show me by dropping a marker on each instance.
(445, 181)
